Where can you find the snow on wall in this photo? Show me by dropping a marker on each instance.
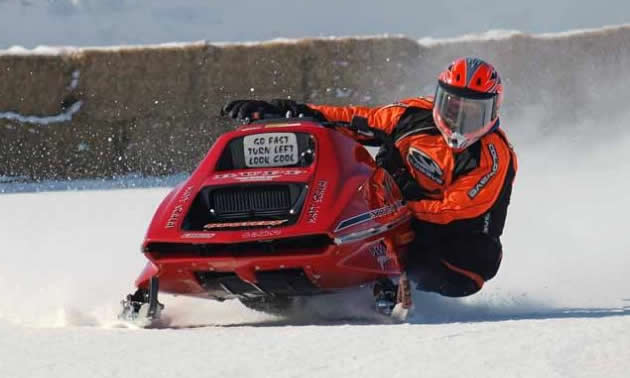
(154, 109)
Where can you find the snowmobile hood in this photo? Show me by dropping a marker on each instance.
(270, 181)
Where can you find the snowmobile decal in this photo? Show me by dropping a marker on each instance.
(198, 235)
(362, 218)
(425, 165)
(379, 251)
(318, 198)
(373, 257)
(260, 234)
(472, 193)
(278, 125)
(215, 226)
(270, 150)
(365, 234)
(258, 175)
(179, 208)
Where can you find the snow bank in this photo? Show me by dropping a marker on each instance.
(153, 110)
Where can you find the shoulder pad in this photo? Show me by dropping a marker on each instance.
(420, 102)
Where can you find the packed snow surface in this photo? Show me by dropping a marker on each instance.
(555, 309)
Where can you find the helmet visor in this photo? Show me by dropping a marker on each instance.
(464, 115)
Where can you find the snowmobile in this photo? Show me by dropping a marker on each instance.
(277, 210)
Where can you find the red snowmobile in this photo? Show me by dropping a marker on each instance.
(275, 211)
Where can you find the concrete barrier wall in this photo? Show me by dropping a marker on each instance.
(79, 113)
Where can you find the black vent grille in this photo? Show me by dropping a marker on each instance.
(246, 206)
(258, 200)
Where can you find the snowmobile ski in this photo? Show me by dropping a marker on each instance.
(393, 300)
(142, 308)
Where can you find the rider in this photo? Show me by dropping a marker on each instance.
(452, 162)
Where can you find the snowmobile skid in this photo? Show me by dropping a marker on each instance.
(275, 211)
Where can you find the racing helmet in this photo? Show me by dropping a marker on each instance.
(467, 99)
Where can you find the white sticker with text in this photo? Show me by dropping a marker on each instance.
(270, 150)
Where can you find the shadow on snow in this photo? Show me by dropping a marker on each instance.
(429, 309)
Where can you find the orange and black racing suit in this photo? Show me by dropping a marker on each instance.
(459, 199)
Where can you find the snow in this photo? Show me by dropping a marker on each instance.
(64, 116)
(76, 74)
(485, 36)
(500, 34)
(542, 348)
(559, 306)
(495, 34)
(69, 50)
(40, 50)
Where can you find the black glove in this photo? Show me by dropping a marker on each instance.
(251, 110)
(291, 108)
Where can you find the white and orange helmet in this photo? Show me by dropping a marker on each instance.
(467, 100)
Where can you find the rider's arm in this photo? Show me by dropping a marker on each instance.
(383, 118)
(473, 194)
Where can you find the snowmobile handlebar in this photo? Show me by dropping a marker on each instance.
(371, 139)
